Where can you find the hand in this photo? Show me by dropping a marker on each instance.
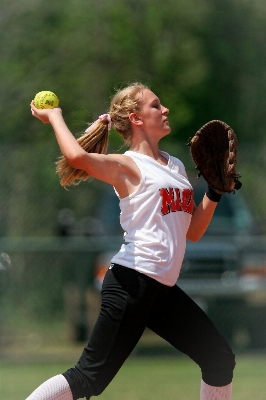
(43, 114)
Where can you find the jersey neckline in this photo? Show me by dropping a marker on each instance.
(163, 153)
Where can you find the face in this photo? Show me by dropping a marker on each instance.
(153, 115)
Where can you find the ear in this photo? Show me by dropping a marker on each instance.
(135, 119)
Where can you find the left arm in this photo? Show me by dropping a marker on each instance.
(201, 219)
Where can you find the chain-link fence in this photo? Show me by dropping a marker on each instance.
(46, 283)
(50, 295)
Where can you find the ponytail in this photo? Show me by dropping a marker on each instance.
(94, 140)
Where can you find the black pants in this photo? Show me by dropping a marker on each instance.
(132, 301)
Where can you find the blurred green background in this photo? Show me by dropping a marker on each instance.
(205, 59)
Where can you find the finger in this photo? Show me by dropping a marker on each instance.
(33, 106)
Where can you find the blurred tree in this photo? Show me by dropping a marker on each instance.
(204, 58)
(82, 49)
(233, 40)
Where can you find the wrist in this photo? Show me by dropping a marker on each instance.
(212, 195)
(55, 114)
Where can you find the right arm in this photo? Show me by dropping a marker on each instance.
(118, 170)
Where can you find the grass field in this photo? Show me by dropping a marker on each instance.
(142, 378)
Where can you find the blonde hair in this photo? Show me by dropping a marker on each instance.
(123, 103)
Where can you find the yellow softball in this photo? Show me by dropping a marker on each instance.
(46, 99)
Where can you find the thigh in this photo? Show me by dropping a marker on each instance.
(125, 308)
(180, 321)
(127, 298)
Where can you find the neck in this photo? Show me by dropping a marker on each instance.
(146, 144)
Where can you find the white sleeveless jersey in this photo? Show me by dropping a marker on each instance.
(155, 219)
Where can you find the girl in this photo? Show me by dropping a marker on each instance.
(158, 214)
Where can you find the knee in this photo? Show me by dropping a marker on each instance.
(78, 383)
(218, 371)
(82, 384)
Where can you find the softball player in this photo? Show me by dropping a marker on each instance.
(158, 214)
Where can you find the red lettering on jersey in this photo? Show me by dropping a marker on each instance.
(176, 200)
(167, 200)
(187, 201)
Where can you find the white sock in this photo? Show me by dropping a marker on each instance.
(208, 392)
(56, 388)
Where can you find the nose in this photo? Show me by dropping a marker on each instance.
(165, 110)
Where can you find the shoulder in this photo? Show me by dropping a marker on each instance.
(124, 160)
(121, 159)
(125, 164)
(177, 165)
(174, 160)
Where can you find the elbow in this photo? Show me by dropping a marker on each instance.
(193, 239)
(194, 236)
(75, 160)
